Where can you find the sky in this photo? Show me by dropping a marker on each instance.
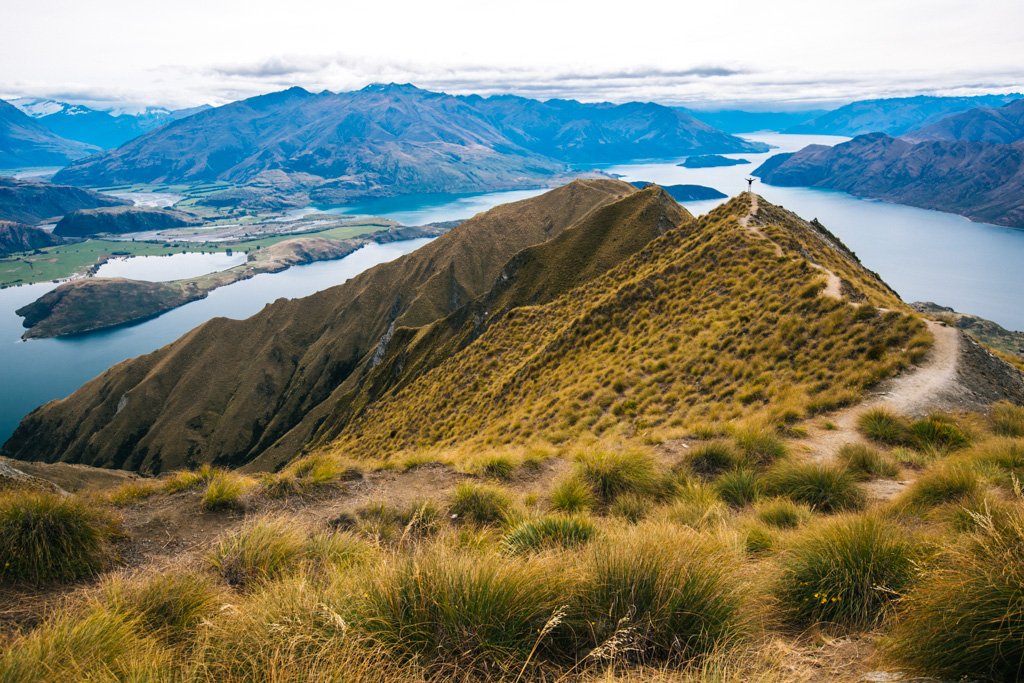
(777, 54)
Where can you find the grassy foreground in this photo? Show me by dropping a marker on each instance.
(605, 560)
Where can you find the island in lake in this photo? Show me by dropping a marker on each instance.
(685, 193)
(711, 161)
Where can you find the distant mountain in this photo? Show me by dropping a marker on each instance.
(31, 201)
(739, 121)
(894, 116)
(981, 180)
(15, 237)
(100, 128)
(25, 143)
(985, 124)
(397, 139)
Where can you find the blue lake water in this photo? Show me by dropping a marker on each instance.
(170, 267)
(924, 255)
(36, 371)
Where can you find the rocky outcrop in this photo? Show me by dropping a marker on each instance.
(31, 201)
(120, 220)
(15, 238)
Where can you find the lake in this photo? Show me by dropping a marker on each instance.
(36, 371)
(170, 267)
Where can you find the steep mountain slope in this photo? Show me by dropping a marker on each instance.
(718, 318)
(101, 128)
(980, 180)
(396, 139)
(15, 237)
(121, 219)
(985, 124)
(740, 121)
(30, 201)
(230, 389)
(24, 142)
(894, 116)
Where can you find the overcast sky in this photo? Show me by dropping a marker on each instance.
(791, 53)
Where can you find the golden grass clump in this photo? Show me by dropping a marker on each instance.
(480, 504)
(1007, 419)
(46, 537)
(822, 487)
(865, 462)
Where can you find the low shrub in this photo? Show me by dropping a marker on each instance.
(47, 537)
(864, 462)
(782, 513)
(846, 571)
(548, 532)
(884, 426)
(823, 488)
(480, 504)
(571, 496)
(1007, 419)
(964, 619)
(739, 487)
(263, 549)
(666, 593)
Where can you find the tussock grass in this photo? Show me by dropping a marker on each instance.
(477, 612)
(549, 532)
(1003, 458)
(134, 492)
(713, 458)
(948, 484)
(224, 491)
(631, 507)
(965, 618)
(938, 433)
(759, 539)
(96, 646)
(263, 549)
(657, 592)
(386, 522)
(571, 495)
(782, 513)
(45, 537)
(822, 487)
(760, 446)
(865, 462)
(480, 504)
(611, 473)
(847, 571)
(739, 488)
(884, 426)
(187, 480)
(698, 506)
(168, 605)
(308, 475)
(1007, 419)
(498, 467)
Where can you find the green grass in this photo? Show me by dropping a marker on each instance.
(760, 447)
(965, 618)
(548, 532)
(187, 480)
(631, 507)
(498, 467)
(45, 537)
(948, 484)
(134, 492)
(698, 507)
(884, 426)
(865, 462)
(938, 433)
(846, 571)
(480, 504)
(822, 487)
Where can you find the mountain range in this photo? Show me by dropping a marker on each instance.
(594, 304)
(397, 139)
(894, 116)
(25, 143)
(985, 124)
(101, 129)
